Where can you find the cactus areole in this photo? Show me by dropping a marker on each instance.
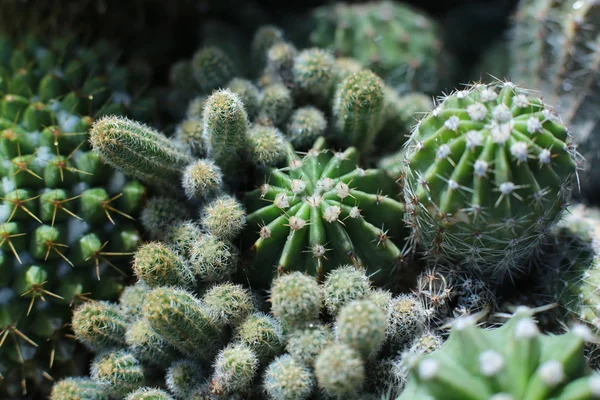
(488, 172)
(322, 211)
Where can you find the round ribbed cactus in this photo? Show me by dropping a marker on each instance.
(66, 219)
(556, 49)
(393, 39)
(515, 361)
(488, 172)
(323, 210)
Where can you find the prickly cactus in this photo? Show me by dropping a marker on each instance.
(321, 211)
(488, 173)
(66, 219)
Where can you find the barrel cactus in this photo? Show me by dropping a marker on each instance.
(66, 220)
(556, 49)
(393, 39)
(323, 210)
(488, 173)
(515, 361)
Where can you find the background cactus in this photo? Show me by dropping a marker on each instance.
(556, 49)
(324, 210)
(67, 220)
(479, 190)
(393, 39)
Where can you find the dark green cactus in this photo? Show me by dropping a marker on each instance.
(66, 219)
(323, 210)
(488, 173)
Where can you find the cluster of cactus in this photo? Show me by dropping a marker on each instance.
(67, 221)
(395, 40)
(343, 338)
(487, 174)
(515, 361)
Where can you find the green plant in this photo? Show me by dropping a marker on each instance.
(488, 173)
(514, 361)
(66, 219)
(324, 210)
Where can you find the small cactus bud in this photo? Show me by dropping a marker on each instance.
(362, 326)
(306, 344)
(266, 145)
(146, 393)
(230, 303)
(78, 388)
(314, 72)
(132, 300)
(249, 94)
(211, 259)
(202, 179)
(160, 214)
(358, 109)
(224, 217)
(146, 345)
(407, 320)
(212, 68)
(189, 135)
(287, 379)
(263, 334)
(234, 369)
(280, 62)
(344, 285)
(120, 371)
(264, 38)
(340, 371)
(276, 104)
(158, 265)
(296, 300)
(183, 377)
(305, 126)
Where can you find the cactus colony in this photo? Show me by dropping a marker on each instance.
(278, 262)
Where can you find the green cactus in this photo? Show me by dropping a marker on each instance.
(556, 49)
(324, 211)
(234, 370)
(99, 325)
(287, 379)
(514, 361)
(146, 393)
(78, 388)
(296, 299)
(66, 219)
(395, 40)
(340, 371)
(362, 325)
(119, 371)
(488, 173)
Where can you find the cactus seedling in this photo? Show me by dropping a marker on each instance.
(488, 172)
(321, 211)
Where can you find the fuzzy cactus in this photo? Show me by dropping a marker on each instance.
(323, 210)
(78, 388)
(393, 39)
(514, 361)
(296, 299)
(119, 371)
(488, 173)
(67, 220)
(555, 48)
(287, 379)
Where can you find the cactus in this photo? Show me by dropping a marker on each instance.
(344, 285)
(234, 370)
(396, 41)
(306, 124)
(514, 361)
(78, 388)
(362, 325)
(155, 264)
(183, 377)
(286, 379)
(146, 393)
(340, 371)
(119, 371)
(66, 219)
(479, 190)
(99, 325)
(324, 210)
(296, 299)
(556, 48)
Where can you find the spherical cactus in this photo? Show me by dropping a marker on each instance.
(305, 345)
(514, 361)
(147, 345)
(202, 179)
(313, 73)
(132, 300)
(249, 94)
(393, 39)
(224, 217)
(267, 145)
(306, 124)
(276, 104)
(263, 334)
(183, 378)
(234, 370)
(340, 371)
(407, 320)
(343, 285)
(362, 325)
(212, 68)
(160, 214)
(287, 379)
(67, 226)
(488, 172)
(296, 300)
(212, 259)
(321, 211)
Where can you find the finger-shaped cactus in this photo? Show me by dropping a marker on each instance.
(488, 172)
(234, 370)
(78, 388)
(100, 325)
(514, 361)
(119, 370)
(321, 211)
